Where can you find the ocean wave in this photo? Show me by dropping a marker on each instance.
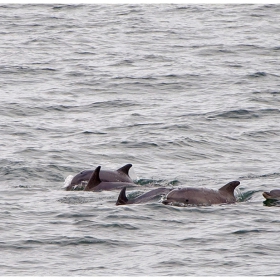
(262, 133)
(248, 231)
(70, 241)
(255, 176)
(73, 200)
(244, 114)
(257, 75)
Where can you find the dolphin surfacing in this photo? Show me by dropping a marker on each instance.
(273, 194)
(146, 197)
(120, 175)
(95, 184)
(202, 196)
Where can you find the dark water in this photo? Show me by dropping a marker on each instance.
(189, 94)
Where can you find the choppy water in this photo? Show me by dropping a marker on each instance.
(189, 94)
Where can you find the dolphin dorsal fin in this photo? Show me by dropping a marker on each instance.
(125, 169)
(94, 179)
(229, 187)
(122, 199)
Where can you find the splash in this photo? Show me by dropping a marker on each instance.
(67, 181)
(243, 196)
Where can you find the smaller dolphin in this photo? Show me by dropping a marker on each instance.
(274, 194)
(120, 175)
(146, 197)
(202, 196)
(95, 184)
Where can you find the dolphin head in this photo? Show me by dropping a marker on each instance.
(274, 194)
(79, 178)
(179, 197)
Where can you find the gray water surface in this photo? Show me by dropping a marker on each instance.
(189, 94)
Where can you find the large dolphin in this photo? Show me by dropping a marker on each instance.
(120, 175)
(202, 196)
(95, 184)
(146, 197)
(273, 194)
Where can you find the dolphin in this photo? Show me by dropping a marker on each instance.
(95, 184)
(120, 175)
(274, 194)
(202, 196)
(146, 197)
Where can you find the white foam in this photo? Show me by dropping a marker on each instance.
(68, 181)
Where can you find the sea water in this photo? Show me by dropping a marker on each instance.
(188, 94)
